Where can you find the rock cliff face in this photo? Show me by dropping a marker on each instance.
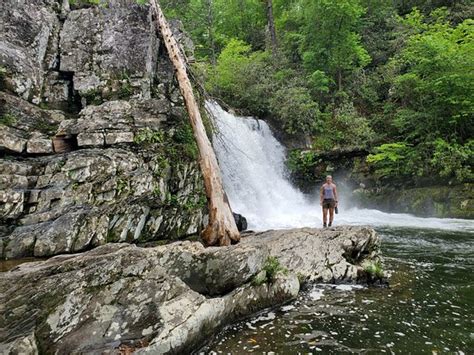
(167, 299)
(94, 140)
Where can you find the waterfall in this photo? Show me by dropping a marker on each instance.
(255, 179)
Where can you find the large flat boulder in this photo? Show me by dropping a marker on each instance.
(326, 255)
(167, 299)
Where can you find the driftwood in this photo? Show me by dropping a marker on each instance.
(221, 229)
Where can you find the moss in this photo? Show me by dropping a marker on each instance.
(375, 269)
(84, 2)
(184, 137)
(3, 75)
(8, 119)
(93, 97)
(45, 126)
(301, 278)
(161, 165)
(112, 237)
(149, 136)
(125, 89)
(122, 185)
(260, 278)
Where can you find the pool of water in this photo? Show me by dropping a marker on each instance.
(428, 308)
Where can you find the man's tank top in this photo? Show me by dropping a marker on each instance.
(328, 192)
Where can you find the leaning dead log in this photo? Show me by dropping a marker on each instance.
(221, 229)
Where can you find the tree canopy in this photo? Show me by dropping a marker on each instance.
(394, 77)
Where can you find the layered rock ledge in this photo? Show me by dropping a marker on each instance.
(166, 299)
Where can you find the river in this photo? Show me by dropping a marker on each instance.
(428, 307)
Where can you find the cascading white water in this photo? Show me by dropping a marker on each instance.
(252, 162)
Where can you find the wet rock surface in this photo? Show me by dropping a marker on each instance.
(166, 299)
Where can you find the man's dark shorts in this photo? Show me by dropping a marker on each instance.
(329, 203)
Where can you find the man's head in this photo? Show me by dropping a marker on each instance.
(328, 178)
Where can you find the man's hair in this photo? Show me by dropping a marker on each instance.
(328, 176)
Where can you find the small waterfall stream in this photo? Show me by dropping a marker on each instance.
(252, 162)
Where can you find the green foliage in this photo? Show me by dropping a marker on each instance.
(125, 88)
(122, 185)
(332, 42)
(85, 2)
(376, 75)
(93, 97)
(375, 269)
(273, 267)
(391, 160)
(185, 138)
(250, 81)
(241, 76)
(296, 110)
(346, 128)
(149, 136)
(452, 159)
(8, 119)
(435, 80)
(302, 162)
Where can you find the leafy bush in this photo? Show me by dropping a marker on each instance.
(302, 162)
(434, 81)
(185, 138)
(295, 110)
(344, 129)
(240, 77)
(271, 269)
(392, 160)
(452, 159)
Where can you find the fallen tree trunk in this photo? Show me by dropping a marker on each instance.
(221, 229)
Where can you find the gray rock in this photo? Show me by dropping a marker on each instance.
(120, 297)
(39, 146)
(10, 139)
(326, 255)
(90, 139)
(11, 204)
(57, 203)
(118, 137)
(115, 184)
(28, 43)
(108, 44)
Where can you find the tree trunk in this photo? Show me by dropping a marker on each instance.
(221, 229)
(210, 27)
(271, 27)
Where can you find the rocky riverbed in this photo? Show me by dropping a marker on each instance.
(171, 298)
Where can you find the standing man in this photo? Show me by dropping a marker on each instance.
(328, 200)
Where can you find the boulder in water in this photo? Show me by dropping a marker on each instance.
(166, 299)
(240, 221)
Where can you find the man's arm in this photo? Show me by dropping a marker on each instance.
(321, 195)
(335, 194)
